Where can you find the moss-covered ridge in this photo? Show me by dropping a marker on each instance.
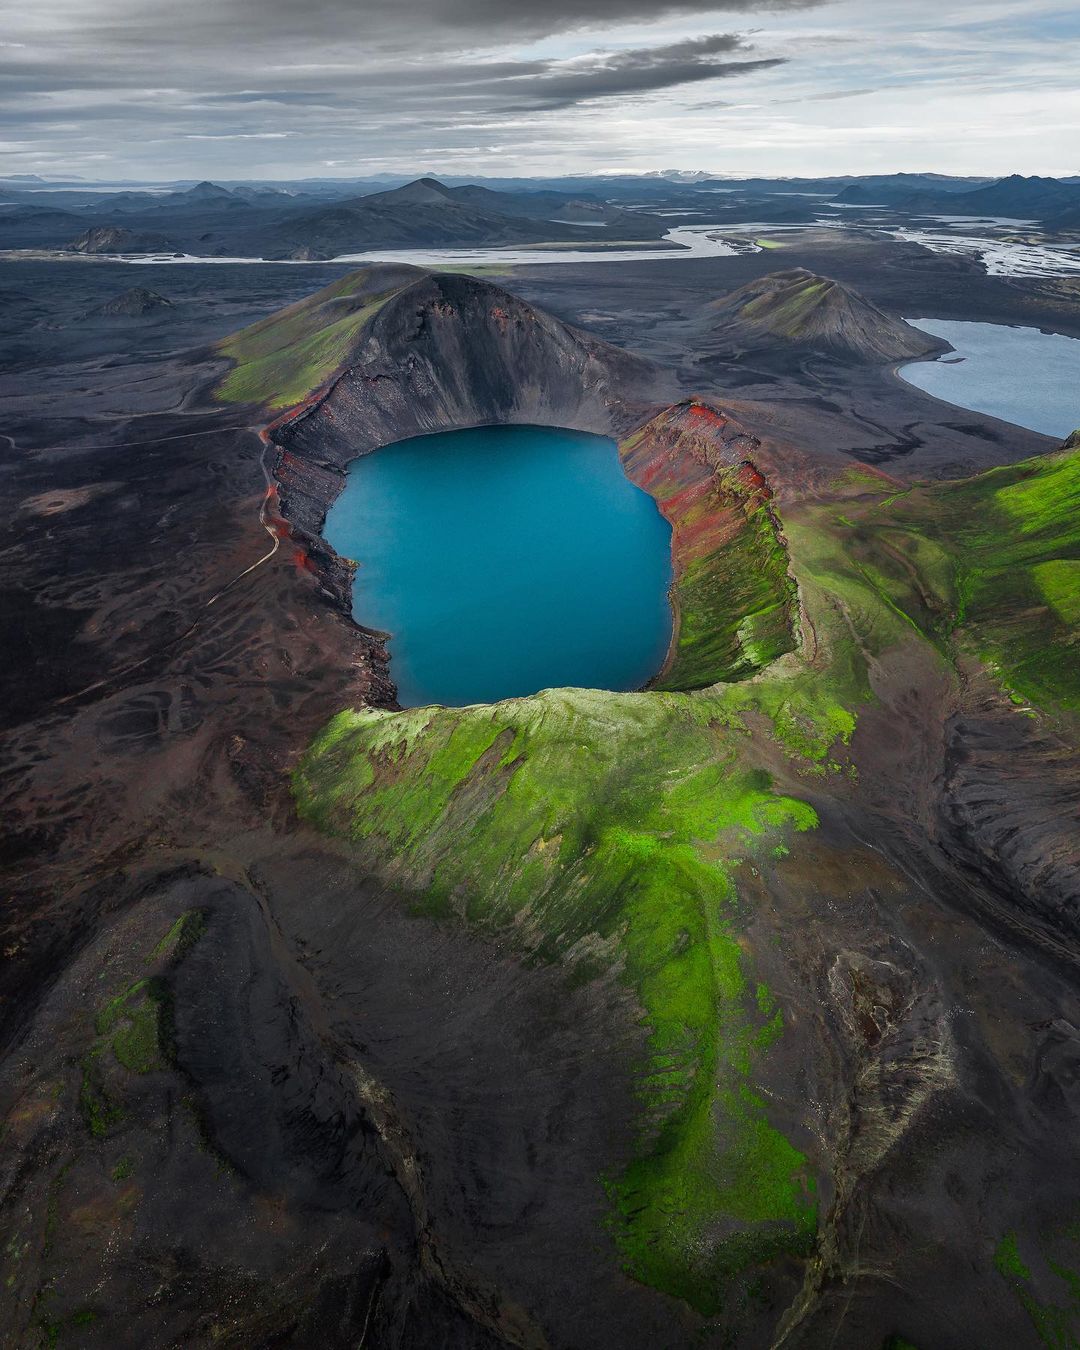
(606, 832)
(284, 358)
(733, 597)
(987, 566)
(797, 306)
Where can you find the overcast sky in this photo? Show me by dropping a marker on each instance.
(306, 88)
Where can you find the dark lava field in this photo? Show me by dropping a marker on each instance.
(738, 1011)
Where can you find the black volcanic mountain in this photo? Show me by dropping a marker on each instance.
(1017, 196)
(209, 220)
(799, 307)
(555, 207)
(206, 191)
(427, 213)
(1021, 197)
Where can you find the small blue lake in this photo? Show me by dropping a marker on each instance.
(1029, 378)
(505, 560)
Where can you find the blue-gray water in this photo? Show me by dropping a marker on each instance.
(1018, 374)
(505, 560)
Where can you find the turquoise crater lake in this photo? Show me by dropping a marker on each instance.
(505, 560)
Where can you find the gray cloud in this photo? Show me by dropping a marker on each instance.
(635, 72)
(405, 24)
(338, 76)
(496, 87)
(828, 96)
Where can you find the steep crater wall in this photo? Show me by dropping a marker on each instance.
(449, 352)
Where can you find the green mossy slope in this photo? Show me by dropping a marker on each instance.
(733, 597)
(285, 357)
(799, 307)
(734, 606)
(606, 832)
(990, 566)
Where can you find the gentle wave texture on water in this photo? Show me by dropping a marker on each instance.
(1018, 374)
(505, 560)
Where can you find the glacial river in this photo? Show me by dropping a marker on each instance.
(1021, 375)
(505, 560)
(998, 256)
(692, 241)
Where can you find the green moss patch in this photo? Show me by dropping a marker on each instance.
(131, 1022)
(997, 558)
(133, 1030)
(734, 606)
(606, 831)
(285, 357)
(1046, 1280)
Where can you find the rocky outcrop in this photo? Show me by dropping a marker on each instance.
(117, 239)
(135, 303)
(818, 313)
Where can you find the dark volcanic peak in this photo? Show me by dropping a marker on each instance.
(1031, 198)
(135, 303)
(206, 191)
(117, 239)
(799, 307)
(427, 213)
(1018, 196)
(448, 350)
(1023, 197)
(426, 190)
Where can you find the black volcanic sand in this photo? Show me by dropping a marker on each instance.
(663, 311)
(370, 1128)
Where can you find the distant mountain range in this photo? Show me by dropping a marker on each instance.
(1016, 196)
(320, 219)
(428, 213)
(261, 221)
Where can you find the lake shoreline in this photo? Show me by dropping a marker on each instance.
(504, 560)
(1022, 376)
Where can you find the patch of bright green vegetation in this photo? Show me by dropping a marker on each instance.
(131, 1021)
(287, 356)
(1059, 583)
(995, 560)
(769, 243)
(182, 936)
(606, 831)
(1057, 1320)
(1007, 1258)
(123, 1169)
(735, 605)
